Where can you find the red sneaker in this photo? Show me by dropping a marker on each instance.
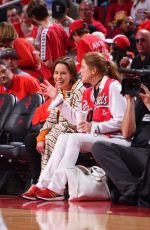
(31, 194)
(47, 194)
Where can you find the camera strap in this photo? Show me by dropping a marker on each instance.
(96, 91)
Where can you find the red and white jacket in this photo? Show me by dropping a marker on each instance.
(100, 107)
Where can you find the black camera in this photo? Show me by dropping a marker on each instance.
(132, 85)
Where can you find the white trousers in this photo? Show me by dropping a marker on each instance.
(65, 155)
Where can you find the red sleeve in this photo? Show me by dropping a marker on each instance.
(24, 85)
(81, 50)
(26, 53)
(29, 84)
(33, 85)
(18, 29)
(69, 44)
(41, 113)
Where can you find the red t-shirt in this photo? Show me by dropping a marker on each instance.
(20, 33)
(89, 43)
(29, 61)
(41, 113)
(53, 43)
(21, 86)
(27, 55)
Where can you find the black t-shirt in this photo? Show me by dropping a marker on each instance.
(142, 135)
(138, 64)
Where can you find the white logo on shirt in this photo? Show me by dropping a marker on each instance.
(57, 8)
(146, 117)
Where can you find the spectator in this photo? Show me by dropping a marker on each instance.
(28, 60)
(11, 57)
(117, 11)
(142, 60)
(59, 14)
(102, 100)
(127, 28)
(18, 85)
(125, 166)
(86, 42)
(86, 12)
(24, 27)
(138, 10)
(12, 14)
(119, 47)
(73, 9)
(49, 35)
(65, 77)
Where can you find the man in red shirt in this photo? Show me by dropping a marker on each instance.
(12, 14)
(18, 85)
(86, 11)
(86, 42)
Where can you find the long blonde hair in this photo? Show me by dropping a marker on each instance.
(97, 60)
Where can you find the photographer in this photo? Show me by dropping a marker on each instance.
(127, 167)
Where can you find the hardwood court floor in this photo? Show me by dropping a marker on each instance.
(19, 214)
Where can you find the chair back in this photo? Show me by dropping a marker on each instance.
(20, 120)
(7, 103)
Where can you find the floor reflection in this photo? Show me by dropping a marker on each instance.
(2, 222)
(72, 216)
(20, 214)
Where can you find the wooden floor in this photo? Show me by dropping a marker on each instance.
(19, 214)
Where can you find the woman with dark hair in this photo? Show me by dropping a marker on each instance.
(105, 106)
(71, 89)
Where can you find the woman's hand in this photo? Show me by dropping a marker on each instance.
(85, 127)
(145, 96)
(48, 89)
(40, 147)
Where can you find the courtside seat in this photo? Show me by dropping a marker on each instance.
(10, 151)
(18, 125)
(7, 103)
(14, 169)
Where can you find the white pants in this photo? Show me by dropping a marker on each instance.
(65, 155)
